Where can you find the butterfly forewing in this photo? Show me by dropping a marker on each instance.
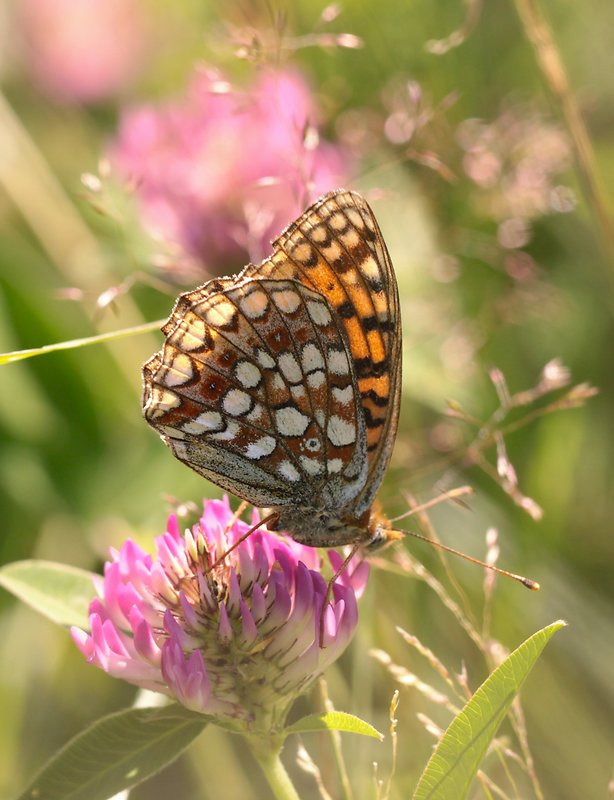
(339, 250)
(282, 384)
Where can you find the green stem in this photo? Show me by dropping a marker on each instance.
(29, 182)
(267, 754)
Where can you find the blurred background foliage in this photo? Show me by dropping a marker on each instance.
(502, 260)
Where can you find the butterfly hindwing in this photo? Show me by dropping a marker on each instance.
(260, 372)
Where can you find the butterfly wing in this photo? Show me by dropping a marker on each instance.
(254, 390)
(282, 384)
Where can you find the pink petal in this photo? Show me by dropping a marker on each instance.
(248, 624)
(224, 627)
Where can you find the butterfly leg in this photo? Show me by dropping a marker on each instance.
(269, 518)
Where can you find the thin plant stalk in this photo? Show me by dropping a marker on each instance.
(40, 198)
(344, 778)
(539, 34)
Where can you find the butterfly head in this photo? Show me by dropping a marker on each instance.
(379, 530)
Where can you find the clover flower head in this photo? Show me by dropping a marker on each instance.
(236, 634)
(220, 170)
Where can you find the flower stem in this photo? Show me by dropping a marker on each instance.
(267, 754)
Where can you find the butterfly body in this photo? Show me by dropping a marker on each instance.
(312, 527)
(282, 384)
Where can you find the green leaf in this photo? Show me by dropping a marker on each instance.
(334, 721)
(60, 593)
(19, 355)
(115, 753)
(457, 757)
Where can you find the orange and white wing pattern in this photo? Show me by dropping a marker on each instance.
(282, 384)
(340, 252)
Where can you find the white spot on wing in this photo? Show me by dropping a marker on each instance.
(380, 303)
(248, 374)
(190, 334)
(171, 433)
(179, 370)
(232, 430)
(311, 465)
(291, 422)
(334, 465)
(311, 357)
(204, 423)
(288, 471)
(236, 402)
(278, 383)
(315, 379)
(302, 252)
(254, 304)
(263, 447)
(337, 221)
(221, 313)
(258, 415)
(355, 218)
(287, 301)
(345, 395)
(319, 313)
(319, 233)
(162, 400)
(290, 368)
(340, 432)
(298, 392)
(332, 252)
(265, 360)
(350, 238)
(350, 277)
(370, 268)
(338, 362)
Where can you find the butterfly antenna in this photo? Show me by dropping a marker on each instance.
(528, 582)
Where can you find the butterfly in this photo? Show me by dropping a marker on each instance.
(282, 384)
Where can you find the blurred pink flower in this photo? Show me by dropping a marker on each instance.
(516, 161)
(220, 172)
(238, 640)
(83, 51)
